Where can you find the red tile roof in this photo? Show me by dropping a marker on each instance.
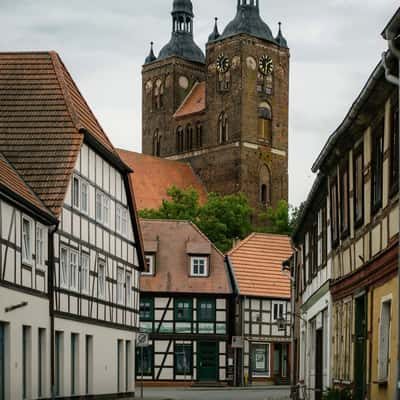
(153, 176)
(257, 265)
(12, 182)
(172, 259)
(43, 121)
(194, 103)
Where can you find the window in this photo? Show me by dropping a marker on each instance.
(334, 212)
(146, 309)
(149, 267)
(278, 311)
(27, 240)
(157, 143)
(223, 128)
(206, 310)
(358, 186)
(322, 237)
(121, 220)
(384, 340)
(179, 140)
(158, 95)
(120, 286)
(183, 359)
(265, 185)
(80, 194)
(198, 266)
(377, 166)
(394, 151)
(73, 270)
(189, 137)
(145, 368)
(40, 246)
(101, 279)
(199, 135)
(265, 123)
(102, 208)
(184, 310)
(344, 199)
(64, 267)
(128, 289)
(85, 266)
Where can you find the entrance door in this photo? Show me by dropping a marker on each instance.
(2, 362)
(260, 360)
(319, 366)
(207, 361)
(360, 346)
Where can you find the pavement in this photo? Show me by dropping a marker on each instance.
(248, 393)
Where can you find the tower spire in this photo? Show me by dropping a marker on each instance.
(280, 39)
(215, 33)
(151, 57)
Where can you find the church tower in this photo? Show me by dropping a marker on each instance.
(239, 96)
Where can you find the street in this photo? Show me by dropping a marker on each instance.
(264, 393)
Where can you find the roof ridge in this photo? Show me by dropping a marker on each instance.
(197, 83)
(242, 242)
(150, 156)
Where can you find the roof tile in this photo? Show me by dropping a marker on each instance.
(194, 103)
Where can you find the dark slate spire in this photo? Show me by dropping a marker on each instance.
(215, 33)
(248, 20)
(181, 43)
(280, 39)
(151, 57)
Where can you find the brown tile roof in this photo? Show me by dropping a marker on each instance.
(43, 121)
(257, 265)
(172, 259)
(194, 103)
(153, 176)
(11, 182)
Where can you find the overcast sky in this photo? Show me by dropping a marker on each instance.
(335, 44)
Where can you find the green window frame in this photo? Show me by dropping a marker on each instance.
(206, 310)
(148, 361)
(146, 312)
(183, 310)
(183, 362)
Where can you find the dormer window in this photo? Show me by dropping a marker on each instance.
(150, 265)
(198, 266)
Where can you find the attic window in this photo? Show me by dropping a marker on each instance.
(198, 266)
(150, 264)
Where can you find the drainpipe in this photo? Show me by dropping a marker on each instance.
(396, 81)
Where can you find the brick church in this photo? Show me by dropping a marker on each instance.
(226, 112)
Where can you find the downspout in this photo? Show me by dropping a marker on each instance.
(50, 286)
(395, 80)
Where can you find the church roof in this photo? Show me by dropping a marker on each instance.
(153, 176)
(248, 21)
(43, 122)
(194, 103)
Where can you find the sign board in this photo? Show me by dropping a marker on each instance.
(237, 342)
(142, 340)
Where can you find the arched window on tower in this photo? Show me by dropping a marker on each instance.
(157, 143)
(179, 139)
(223, 128)
(265, 123)
(199, 135)
(265, 186)
(189, 137)
(158, 95)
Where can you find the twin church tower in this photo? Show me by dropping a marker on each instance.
(225, 112)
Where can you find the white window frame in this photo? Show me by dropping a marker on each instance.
(192, 266)
(73, 270)
(128, 289)
(84, 204)
(385, 332)
(64, 266)
(101, 293)
(102, 208)
(121, 219)
(120, 285)
(278, 304)
(27, 258)
(85, 272)
(150, 258)
(41, 246)
(77, 200)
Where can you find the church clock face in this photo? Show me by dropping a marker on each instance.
(223, 63)
(265, 65)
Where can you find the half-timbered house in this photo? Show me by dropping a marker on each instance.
(184, 305)
(25, 223)
(263, 309)
(52, 139)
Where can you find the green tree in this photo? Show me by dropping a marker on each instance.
(222, 218)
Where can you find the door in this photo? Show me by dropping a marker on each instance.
(260, 360)
(319, 365)
(207, 361)
(2, 361)
(278, 360)
(360, 346)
